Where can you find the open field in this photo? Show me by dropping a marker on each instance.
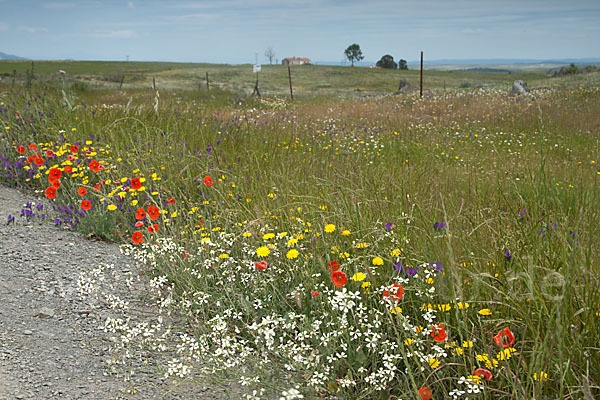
(308, 80)
(351, 244)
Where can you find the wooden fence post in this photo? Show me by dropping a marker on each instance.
(290, 77)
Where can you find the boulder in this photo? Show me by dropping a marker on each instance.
(519, 88)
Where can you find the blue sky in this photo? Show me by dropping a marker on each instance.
(233, 31)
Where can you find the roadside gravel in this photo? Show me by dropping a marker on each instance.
(51, 342)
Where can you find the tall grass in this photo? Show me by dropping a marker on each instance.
(514, 181)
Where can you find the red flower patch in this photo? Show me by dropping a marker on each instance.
(50, 192)
(504, 338)
(137, 237)
(439, 333)
(153, 212)
(484, 373)
(54, 173)
(86, 205)
(396, 293)
(208, 181)
(425, 393)
(153, 228)
(96, 166)
(140, 213)
(338, 278)
(82, 191)
(333, 266)
(136, 183)
(21, 149)
(262, 265)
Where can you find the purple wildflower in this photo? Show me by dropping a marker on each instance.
(507, 255)
(438, 226)
(388, 226)
(399, 266)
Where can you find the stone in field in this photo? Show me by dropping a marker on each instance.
(519, 88)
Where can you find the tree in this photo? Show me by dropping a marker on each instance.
(353, 53)
(402, 64)
(270, 54)
(387, 61)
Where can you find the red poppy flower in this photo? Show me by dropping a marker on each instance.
(97, 187)
(153, 228)
(38, 160)
(55, 184)
(425, 393)
(32, 147)
(70, 157)
(261, 265)
(397, 292)
(49, 153)
(170, 200)
(504, 338)
(139, 224)
(86, 204)
(140, 213)
(68, 169)
(55, 173)
(74, 149)
(315, 294)
(21, 149)
(484, 373)
(153, 212)
(136, 183)
(96, 166)
(439, 333)
(333, 266)
(338, 278)
(208, 181)
(30, 159)
(137, 237)
(82, 191)
(50, 192)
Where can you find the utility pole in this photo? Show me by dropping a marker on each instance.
(421, 91)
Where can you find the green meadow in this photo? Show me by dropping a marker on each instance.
(355, 243)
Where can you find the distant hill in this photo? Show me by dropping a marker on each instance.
(4, 56)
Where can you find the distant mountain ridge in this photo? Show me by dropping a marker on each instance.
(4, 56)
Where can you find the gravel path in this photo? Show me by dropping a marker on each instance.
(51, 346)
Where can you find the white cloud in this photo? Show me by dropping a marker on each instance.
(118, 34)
(30, 29)
(130, 4)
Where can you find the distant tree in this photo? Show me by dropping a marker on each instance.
(402, 64)
(270, 54)
(353, 53)
(387, 61)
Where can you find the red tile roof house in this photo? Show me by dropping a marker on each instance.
(295, 61)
